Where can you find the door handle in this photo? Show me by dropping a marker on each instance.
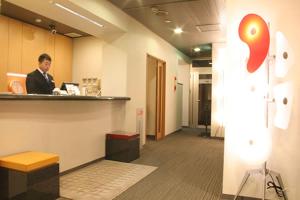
(198, 100)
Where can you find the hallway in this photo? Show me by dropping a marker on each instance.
(189, 168)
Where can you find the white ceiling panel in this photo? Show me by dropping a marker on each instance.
(187, 14)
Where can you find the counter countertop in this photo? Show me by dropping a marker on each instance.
(58, 97)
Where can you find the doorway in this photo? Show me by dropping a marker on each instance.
(155, 98)
(201, 86)
(179, 105)
(204, 104)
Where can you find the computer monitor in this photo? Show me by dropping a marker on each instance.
(16, 83)
(64, 86)
(71, 88)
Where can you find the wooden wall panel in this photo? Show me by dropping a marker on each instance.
(3, 51)
(21, 45)
(63, 60)
(34, 42)
(14, 46)
(50, 48)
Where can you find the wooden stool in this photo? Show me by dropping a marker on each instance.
(29, 176)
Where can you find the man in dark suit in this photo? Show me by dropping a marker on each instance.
(38, 81)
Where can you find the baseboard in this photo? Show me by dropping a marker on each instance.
(150, 137)
(180, 129)
(231, 197)
(218, 138)
(80, 166)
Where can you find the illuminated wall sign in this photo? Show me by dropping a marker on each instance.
(254, 31)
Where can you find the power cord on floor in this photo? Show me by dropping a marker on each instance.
(278, 189)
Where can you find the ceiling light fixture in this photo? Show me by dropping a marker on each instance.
(208, 27)
(38, 20)
(178, 31)
(73, 35)
(77, 14)
(197, 49)
(168, 21)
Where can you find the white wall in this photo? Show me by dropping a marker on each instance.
(284, 158)
(136, 43)
(201, 70)
(217, 105)
(93, 57)
(87, 58)
(114, 79)
(75, 130)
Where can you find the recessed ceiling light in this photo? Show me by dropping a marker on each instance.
(178, 30)
(197, 49)
(38, 20)
(168, 21)
(73, 35)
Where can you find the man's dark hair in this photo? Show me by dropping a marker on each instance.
(43, 57)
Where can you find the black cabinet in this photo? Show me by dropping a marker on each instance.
(122, 147)
(40, 184)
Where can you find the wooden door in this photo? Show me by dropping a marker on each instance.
(160, 100)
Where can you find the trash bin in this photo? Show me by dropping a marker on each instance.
(122, 146)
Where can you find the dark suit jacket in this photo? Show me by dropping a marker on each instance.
(36, 83)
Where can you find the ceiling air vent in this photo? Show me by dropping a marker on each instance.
(208, 27)
(73, 35)
(159, 12)
(202, 63)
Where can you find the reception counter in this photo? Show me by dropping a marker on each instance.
(57, 97)
(73, 127)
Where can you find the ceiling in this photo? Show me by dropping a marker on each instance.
(65, 14)
(186, 14)
(19, 13)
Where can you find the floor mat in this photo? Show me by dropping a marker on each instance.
(103, 180)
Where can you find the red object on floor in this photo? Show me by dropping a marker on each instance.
(122, 146)
(125, 136)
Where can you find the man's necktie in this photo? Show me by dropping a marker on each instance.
(46, 77)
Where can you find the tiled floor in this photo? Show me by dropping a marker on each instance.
(103, 180)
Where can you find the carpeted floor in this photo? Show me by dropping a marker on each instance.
(189, 168)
